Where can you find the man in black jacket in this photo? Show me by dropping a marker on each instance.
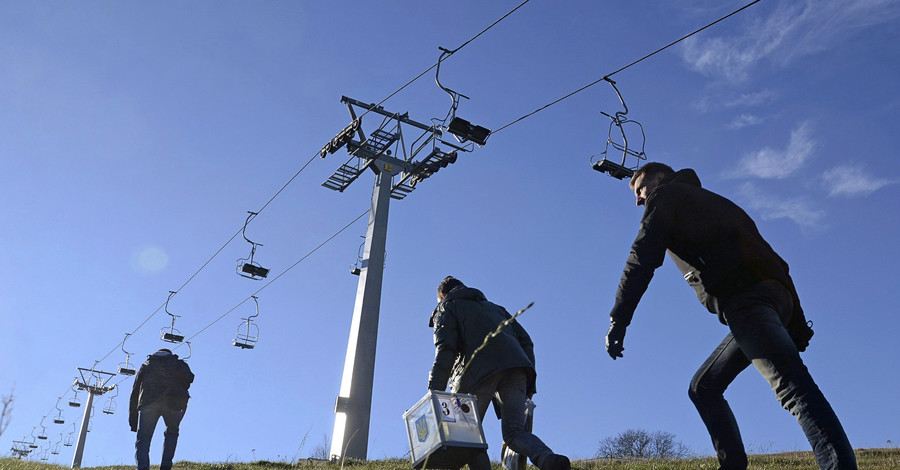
(502, 371)
(740, 278)
(160, 390)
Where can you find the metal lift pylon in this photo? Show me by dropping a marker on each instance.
(95, 382)
(354, 402)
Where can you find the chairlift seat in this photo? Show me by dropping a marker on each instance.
(74, 404)
(59, 421)
(255, 271)
(467, 131)
(172, 338)
(613, 169)
(126, 371)
(243, 345)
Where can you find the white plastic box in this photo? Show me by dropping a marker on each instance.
(444, 430)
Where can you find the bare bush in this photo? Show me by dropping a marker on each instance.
(641, 444)
(6, 413)
(321, 450)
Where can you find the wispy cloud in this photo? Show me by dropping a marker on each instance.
(851, 180)
(770, 163)
(744, 120)
(795, 29)
(742, 100)
(801, 211)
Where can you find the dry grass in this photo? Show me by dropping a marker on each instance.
(868, 459)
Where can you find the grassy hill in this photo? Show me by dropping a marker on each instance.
(868, 459)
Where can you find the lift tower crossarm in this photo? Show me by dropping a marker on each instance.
(404, 118)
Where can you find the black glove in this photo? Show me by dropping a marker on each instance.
(133, 421)
(801, 332)
(615, 339)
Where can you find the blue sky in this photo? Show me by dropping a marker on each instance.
(135, 138)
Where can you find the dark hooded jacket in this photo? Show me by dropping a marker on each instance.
(461, 322)
(714, 243)
(161, 377)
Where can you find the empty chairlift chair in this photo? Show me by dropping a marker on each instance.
(170, 334)
(110, 407)
(246, 267)
(248, 332)
(462, 130)
(59, 417)
(126, 368)
(618, 122)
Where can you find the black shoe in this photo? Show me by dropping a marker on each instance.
(556, 462)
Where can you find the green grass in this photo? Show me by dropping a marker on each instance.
(868, 459)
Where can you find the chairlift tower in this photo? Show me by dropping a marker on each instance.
(95, 383)
(395, 177)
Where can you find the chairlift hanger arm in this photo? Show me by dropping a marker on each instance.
(255, 300)
(454, 95)
(123, 344)
(171, 293)
(619, 114)
(244, 230)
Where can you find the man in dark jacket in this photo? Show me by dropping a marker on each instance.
(502, 371)
(160, 390)
(740, 278)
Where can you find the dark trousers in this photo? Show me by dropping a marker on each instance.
(509, 385)
(148, 417)
(758, 337)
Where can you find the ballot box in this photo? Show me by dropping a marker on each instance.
(444, 430)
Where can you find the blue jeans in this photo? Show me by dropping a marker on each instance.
(509, 386)
(148, 416)
(758, 337)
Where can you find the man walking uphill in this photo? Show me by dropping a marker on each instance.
(502, 371)
(160, 390)
(739, 277)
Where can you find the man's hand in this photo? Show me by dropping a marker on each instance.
(615, 338)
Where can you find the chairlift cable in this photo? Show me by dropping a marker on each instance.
(450, 53)
(345, 227)
(754, 2)
(297, 173)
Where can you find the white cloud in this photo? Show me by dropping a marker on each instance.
(794, 29)
(771, 163)
(744, 120)
(801, 211)
(849, 180)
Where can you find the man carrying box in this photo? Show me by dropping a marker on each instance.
(502, 371)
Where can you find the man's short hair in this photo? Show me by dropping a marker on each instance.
(650, 169)
(447, 285)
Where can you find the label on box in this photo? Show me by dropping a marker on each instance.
(445, 409)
